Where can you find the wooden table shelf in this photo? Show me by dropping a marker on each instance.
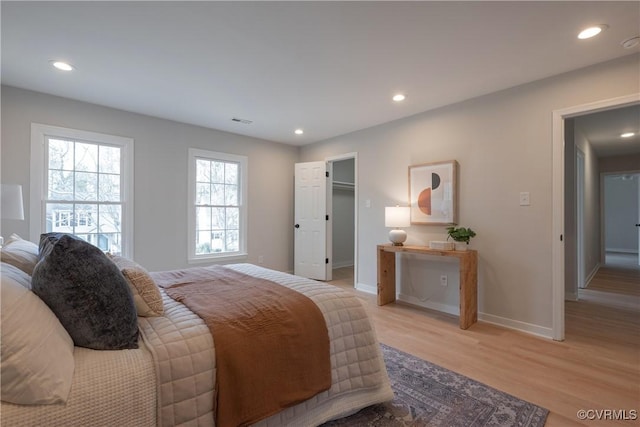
(468, 277)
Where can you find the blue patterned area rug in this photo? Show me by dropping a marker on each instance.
(428, 395)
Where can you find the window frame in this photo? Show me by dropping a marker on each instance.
(39, 168)
(243, 175)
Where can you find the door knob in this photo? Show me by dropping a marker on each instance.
(297, 226)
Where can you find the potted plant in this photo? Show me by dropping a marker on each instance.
(461, 236)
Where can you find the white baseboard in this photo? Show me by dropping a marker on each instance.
(367, 288)
(445, 308)
(570, 296)
(342, 264)
(621, 250)
(529, 328)
(517, 325)
(591, 275)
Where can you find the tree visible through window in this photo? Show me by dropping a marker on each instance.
(83, 191)
(218, 209)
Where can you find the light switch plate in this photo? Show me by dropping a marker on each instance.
(524, 199)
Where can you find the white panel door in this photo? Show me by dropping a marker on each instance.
(310, 211)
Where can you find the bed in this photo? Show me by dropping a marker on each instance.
(170, 378)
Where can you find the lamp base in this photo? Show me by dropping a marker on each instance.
(397, 237)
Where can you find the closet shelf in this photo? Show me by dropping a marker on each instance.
(340, 185)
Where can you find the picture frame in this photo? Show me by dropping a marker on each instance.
(433, 193)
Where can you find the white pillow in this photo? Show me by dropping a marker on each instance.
(37, 352)
(20, 253)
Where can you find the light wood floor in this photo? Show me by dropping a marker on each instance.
(596, 367)
(618, 279)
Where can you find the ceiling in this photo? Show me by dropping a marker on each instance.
(329, 68)
(603, 130)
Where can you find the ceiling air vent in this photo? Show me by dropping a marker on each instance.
(630, 43)
(243, 121)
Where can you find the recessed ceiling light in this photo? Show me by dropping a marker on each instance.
(298, 131)
(61, 65)
(627, 135)
(587, 33)
(399, 97)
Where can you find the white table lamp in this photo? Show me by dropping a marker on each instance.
(11, 201)
(397, 217)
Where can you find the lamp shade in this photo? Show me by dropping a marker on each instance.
(397, 216)
(11, 199)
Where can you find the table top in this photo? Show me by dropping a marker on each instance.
(388, 247)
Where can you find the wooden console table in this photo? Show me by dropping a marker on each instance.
(468, 277)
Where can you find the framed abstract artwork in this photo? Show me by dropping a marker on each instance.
(433, 193)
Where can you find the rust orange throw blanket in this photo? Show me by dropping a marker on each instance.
(271, 342)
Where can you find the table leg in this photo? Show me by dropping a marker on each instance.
(386, 277)
(468, 291)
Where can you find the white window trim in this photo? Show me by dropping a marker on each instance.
(38, 167)
(195, 153)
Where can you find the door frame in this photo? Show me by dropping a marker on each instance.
(558, 207)
(330, 160)
(580, 184)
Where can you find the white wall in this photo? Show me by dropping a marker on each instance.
(160, 194)
(618, 164)
(343, 214)
(591, 209)
(344, 170)
(621, 213)
(626, 163)
(503, 143)
(343, 227)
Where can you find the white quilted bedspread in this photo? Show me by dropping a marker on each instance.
(358, 374)
(110, 388)
(122, 388)
(182, 348)
(184, 351)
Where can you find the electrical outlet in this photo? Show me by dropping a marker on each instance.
(443, 280)
(260, 259)
(524, 199)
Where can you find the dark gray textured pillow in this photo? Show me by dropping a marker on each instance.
(87, 292)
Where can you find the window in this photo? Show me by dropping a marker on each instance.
(217, 205)
(81, 184)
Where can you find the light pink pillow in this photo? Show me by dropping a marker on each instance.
(146, 294)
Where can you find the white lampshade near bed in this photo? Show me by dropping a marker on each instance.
(11, 203)
(397, 217)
